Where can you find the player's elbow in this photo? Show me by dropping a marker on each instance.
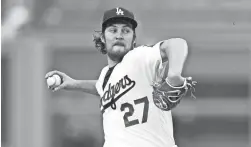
(174, 43)
(179, 40)
(178, 43)
(174, 47)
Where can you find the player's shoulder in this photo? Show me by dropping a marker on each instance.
(143, 48)
(148, 48)
(174, 39)
(138, 51)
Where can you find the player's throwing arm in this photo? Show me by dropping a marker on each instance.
(57, 80)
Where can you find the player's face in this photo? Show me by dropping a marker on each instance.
(119, 40)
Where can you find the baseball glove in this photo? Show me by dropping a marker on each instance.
(166, 96)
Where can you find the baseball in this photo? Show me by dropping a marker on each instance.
(55, 80)
(58, 79)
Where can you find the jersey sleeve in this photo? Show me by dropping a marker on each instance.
(151, 61)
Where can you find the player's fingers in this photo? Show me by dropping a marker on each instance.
(51, 73)
(58, 87)
(50, 87)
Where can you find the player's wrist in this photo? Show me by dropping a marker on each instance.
(75, 84)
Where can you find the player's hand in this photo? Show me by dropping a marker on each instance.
(66, 81)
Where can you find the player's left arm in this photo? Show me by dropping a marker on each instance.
(168, 93)
(174, 50)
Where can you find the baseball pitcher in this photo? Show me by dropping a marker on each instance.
(139, 86)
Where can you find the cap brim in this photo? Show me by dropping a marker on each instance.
(130, 20)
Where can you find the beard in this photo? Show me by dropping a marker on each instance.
(118, 55)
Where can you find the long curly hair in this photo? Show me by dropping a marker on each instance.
(99, 45)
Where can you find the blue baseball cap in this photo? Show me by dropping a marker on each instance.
(119, 13)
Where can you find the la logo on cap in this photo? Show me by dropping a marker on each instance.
(119, 11)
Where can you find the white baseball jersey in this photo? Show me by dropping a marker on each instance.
(130, 117)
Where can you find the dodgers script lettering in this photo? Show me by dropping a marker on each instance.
(116, 88)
